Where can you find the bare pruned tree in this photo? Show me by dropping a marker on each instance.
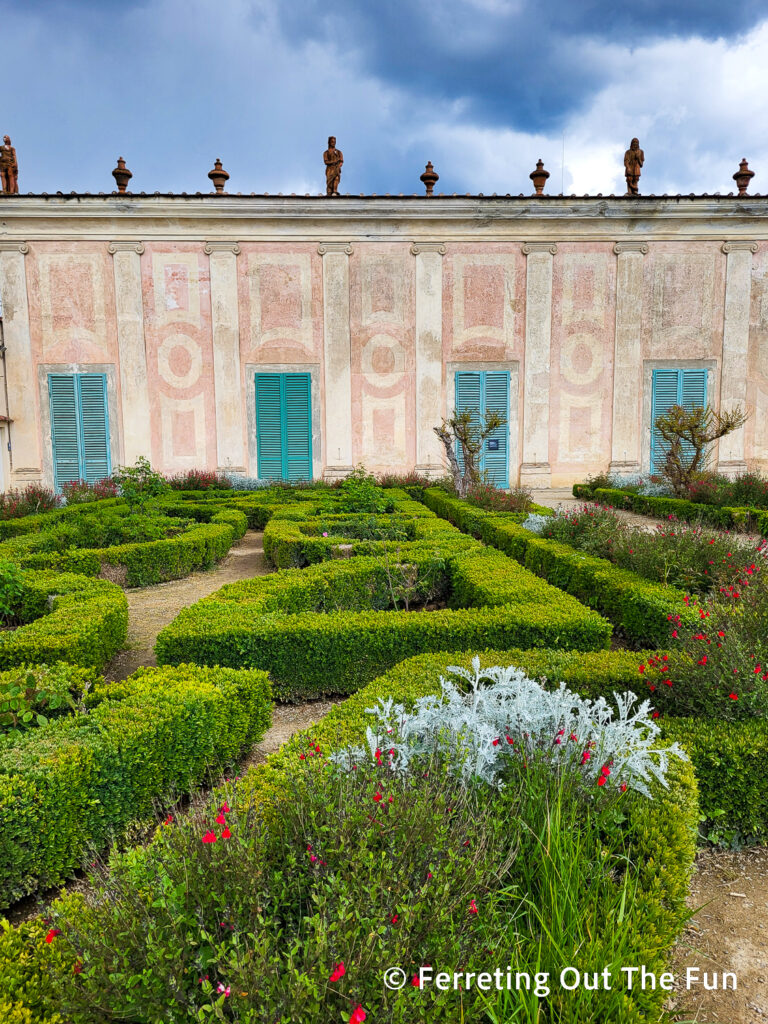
(689, 434)
(471, 431)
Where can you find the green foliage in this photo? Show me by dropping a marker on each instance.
(642, 609)
(11, 591)
(359, 492)
(139, 483)
(29, 690)
(80, 780)
(68, 618)
(34, 499)
(326, 629)
(153, 927)
(726, 518)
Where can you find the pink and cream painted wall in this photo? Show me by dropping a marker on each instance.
(382, 324)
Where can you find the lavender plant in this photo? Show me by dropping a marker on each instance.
(505, 715)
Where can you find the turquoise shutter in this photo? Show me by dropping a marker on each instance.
(298, 432)
(79, 427)
(674, 387)
(94, 427)
(487, 392)
(469, 395)
(283, 426)
(269, 444)
(496, 463)
(62, 396)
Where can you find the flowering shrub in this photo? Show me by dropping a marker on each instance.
(650, 486)
(29, 500)
(691, 557)
(77, 492)
(199, 480)
(514, 717)
(746, 489)
(493, 499)
(410, 479)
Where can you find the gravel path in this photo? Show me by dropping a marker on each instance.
(152, 608)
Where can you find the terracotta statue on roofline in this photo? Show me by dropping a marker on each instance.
(9, 168)
(634, 158)
(333, 158)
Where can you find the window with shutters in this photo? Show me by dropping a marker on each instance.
(284, 426)
(481, 393)
(685, 387)
(79, 427)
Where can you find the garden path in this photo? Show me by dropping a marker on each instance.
(152, 608)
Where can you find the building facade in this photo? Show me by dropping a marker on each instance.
(300, 336)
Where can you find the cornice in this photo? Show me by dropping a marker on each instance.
(218, 247)
(21, 247)
(534, 247)
(420, 247)
(331, 248)
(633, 246)
(137, 247)
(739, 246)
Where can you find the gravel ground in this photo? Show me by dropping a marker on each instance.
(152, 608)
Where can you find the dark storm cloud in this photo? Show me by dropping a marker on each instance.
(523, 64)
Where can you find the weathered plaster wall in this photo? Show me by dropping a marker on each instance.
(382, 301)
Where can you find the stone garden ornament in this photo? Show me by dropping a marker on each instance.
(333, 159)
(634, 158)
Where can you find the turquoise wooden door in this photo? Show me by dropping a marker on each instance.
(481, 393)
(284, 426)
(685, 387)
(79, 427)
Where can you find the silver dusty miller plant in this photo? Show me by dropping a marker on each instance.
(504, 714)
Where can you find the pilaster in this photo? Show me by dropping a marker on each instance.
(129, 305)
(337, 359)
(733, 376)
(429, 355)
(25, 456)
(228, 388)
(626, 436)
(535, 470)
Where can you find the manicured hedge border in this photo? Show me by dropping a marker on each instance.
(662, 831)
(639, 607)
(150, 561)
(280, 622)
(69, 618)
(743, 518)
(78, 781)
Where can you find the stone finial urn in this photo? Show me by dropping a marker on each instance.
(743, 176)
(218, 176)
(122, 175)
(539, 177)
(430, 177)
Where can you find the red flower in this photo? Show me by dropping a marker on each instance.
(225, 808)
(473, 907)
(52, 934)
(377, 797)
(78, 967)
(209, 837)
(623, 787)
(641, 668)
(733, 696)
(226, 834)
(394, 919)
(168, 820)
(338, 972)
(415, 981)
(220, 819)
(601, 781)
(358, 1015)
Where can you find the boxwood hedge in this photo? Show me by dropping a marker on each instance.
(66, 617)
(724, 518)
(78, 781)
(641, 608)
(324, 629)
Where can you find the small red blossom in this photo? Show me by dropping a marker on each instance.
(209, 837)
(358, 1015)
(78, 967)
(168, 820)
(733, 696)
(601, 781)
(378, 797)
(226, 834)
(338, 972)
(220, 819)
(394, 919)
(52, 934)
(473, 907)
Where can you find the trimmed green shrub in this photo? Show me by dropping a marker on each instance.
(310, 628)
(640, 608)
(79, 781)
(69, 618)
(678, 508)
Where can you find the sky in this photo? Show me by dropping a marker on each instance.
(482, 88)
